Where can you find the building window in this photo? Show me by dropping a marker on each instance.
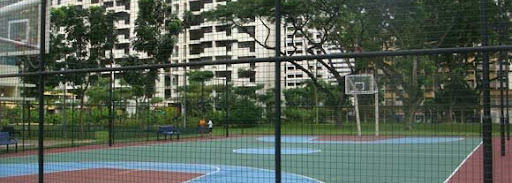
(167, 81)
(196, 6)
(107, 4)
(195, 49)
(248, 44)
(247, 29)
(208, 44)
(175, 80)
(167, 93)
(207, 29)
(196, 34)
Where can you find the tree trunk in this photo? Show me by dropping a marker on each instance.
(411, 116)
(413, 94)
(450, 114)
(339, 115)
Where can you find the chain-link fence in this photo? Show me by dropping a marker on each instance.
(255, 91)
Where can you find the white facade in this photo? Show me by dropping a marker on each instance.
(210, 41)
(11, 88)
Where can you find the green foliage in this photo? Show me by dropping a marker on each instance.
(99, 93)
(200, 76)
(156, 29)
(369, 25)
(245, 113)
(4, 122)
(101, 136)
(299, 115)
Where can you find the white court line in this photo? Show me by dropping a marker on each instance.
(217, 170)
(267, 170)
(393, 153)
(152, 145)
(462, 163)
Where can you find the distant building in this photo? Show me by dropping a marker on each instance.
(11, 88)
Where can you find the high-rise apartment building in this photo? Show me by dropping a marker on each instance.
(210, 41)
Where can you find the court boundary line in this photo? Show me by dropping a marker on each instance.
(127, 166)
(300, 175)
(462, 163)
(306, 139)
(217, 170)
(106, 147)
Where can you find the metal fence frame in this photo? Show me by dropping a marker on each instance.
(484, 49)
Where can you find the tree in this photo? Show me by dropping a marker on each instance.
(156, 28)
(99, 93)
(87, 35)
(364, 25)
(200, 77)
(456, 94)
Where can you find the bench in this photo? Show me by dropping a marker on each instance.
(167, 131)
(7, 139)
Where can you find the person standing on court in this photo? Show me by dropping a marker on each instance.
(210, 127)
(202, 126)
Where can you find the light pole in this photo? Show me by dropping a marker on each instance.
(2, 95)
(1, 102)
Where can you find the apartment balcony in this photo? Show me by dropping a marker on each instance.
(122, 39)
(208, 7)
(122, 24)
(119, 53)
(221, 51)
(194, 56)
(210, 36)
(207, 52)
(118, 9)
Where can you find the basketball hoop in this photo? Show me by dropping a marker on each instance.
(17, 46)
(363, 84)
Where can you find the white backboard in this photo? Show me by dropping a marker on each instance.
(20, 26)
(360, 84)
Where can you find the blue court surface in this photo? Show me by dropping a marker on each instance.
(400, 140)
(211, 173)
(271, 151)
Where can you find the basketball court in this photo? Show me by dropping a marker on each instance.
(249, 159)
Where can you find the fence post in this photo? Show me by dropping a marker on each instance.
(501, 76)
(486, 124)
(502, 107)
(111, 109)
(42, 51)
(507, 87)
(226, 104)
(277, 64)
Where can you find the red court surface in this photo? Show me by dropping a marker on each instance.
(342, 138)
(472, 169)
(107, 175)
